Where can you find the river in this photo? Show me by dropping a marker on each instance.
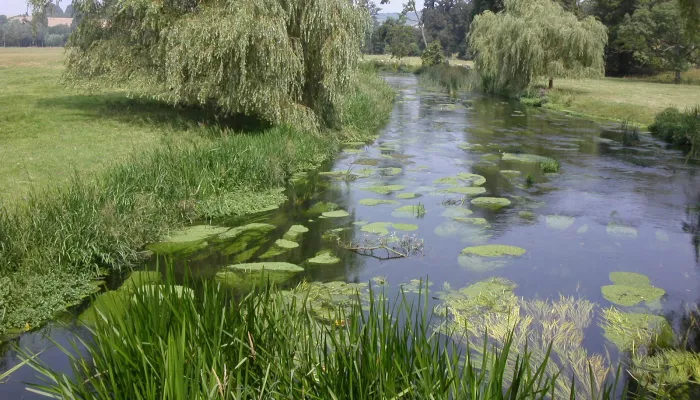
(610, 207)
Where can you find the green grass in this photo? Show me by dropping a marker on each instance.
(411, 61)
(81, 221)
(620, 99)
(690, 77)
(273, 346)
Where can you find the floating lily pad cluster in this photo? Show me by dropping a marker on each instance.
(376, 202)
(324, 257)
(629, 289)
(494, 203)
(319, 208)
(559, 222)
(621, 231)
(386, 189)
(327, 301)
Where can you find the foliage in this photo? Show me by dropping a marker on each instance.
(284, 61)
(59, 238)
(536, 39)
(657, 39)
(432, 55)
(451, 78)
(271, 344)
(678, 127)
(401, 41)
(447, 22)
(549, 166)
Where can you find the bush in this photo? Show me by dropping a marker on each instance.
(433, 55)
(678, 127)
(450, 77)
(55, 40)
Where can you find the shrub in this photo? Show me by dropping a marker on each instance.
(677, 127)
(433, 55)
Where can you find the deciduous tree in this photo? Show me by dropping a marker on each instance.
(534, 39)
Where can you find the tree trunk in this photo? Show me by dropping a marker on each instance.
(420, 25)
(677, 77)
(551, 83)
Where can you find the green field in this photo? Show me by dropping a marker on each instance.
(621, 98)
(50, 132)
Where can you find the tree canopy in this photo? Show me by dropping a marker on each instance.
(657, 37)
(281, 60)
(533, 39)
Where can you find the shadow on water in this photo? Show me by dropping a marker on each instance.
(147, 112)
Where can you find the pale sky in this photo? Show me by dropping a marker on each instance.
(15, 7)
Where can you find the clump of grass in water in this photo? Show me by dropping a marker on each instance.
(270, 346)
(549, 167)
(630, 134)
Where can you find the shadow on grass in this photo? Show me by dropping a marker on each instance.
(158, 114)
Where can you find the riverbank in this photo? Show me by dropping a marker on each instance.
(620, 99)
(92, 178)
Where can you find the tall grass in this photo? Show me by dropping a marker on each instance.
(451, 78)
(59, 238)
(270, 346)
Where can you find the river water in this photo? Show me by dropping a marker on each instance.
(609, 208)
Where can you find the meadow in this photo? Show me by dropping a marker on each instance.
(621, 99)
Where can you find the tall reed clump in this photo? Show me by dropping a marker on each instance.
(180, 346)
(451, 78)
(54, 242)
(677, 127)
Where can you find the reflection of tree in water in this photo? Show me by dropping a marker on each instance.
(692, 226)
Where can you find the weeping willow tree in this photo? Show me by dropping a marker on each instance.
(534, 39)
(281, 60)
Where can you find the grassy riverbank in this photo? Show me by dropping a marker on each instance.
(111, 174)
(620, 98)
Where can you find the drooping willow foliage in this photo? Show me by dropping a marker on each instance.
(533, 39)
(281, 60)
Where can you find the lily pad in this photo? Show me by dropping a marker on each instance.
(583, 229)
(380, 228)
(294, 232)
(526, 158)
(559, 222)
(320, 207)
(494, 250)
(324, 257)
(493, 203)
(404, 227)
(387, 189)
(408, 211)
(629, 279)
(528, 215)
(335, 214)
(391, 171)
(376, 202)
(242, 238)
(621, 231)
(245, 276)
(452, 228)
(625, 295)
(186, 241)
(472, 221)
(456, 212)
(407, 195)
(360, 223)
(466, 190)
(449, 180)
(473, 179)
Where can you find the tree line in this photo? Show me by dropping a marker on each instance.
(644, 36)
(15, 33)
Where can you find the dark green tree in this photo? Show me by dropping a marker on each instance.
(611, 13)
(433, 55)
(656, 36)
(401, 41)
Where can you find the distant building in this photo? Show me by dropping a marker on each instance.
(51, 20)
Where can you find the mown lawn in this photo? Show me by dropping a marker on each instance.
(49, 131)
(621, 99)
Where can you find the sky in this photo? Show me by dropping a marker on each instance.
(15, 7)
